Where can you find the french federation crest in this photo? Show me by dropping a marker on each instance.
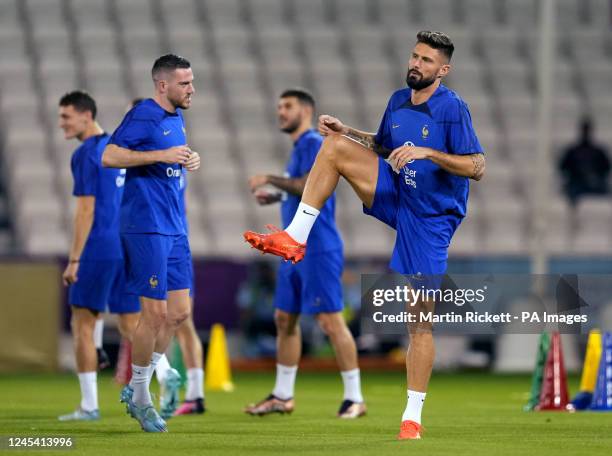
(425, 131)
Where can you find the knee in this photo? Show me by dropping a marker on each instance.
(127, 326)
(333, 147)
(177, 318)
(155, 318)
(330, 324)
(285, 323)
(82, 331)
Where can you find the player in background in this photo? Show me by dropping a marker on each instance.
(95, 263)
(151, 143)
(314, 285)
(422, 192)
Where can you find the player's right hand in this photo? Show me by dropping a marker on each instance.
(70, 274)
(176, 155)
(330, 125)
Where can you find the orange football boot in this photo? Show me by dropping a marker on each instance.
(277, 243)
(409, 430)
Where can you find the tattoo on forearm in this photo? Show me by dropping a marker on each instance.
(478, 161)
(367, 141)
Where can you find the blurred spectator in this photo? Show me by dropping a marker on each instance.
(585, 166)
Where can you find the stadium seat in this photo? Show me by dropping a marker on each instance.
(244, 52)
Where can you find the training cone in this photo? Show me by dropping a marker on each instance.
(554, 394)
(538, 371)
(583, 399)
(602, 397)
(218, 374)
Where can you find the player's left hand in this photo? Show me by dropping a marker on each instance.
(404, 154)
(70, 274)
(259, 180)
(193, 163)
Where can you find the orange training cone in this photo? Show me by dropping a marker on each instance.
(554, 395)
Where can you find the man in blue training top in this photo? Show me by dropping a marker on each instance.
(421, 191)
(95, 270)
(151, 143)
(313, 286)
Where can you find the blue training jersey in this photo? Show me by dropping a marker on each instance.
(106, 186)
(151, 201)
(427, 193)
(324, 235)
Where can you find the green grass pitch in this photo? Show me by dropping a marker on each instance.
(465, 414)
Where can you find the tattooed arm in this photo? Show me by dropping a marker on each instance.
(471, 165)
(330, 125)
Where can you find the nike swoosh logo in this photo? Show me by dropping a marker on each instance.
(167, 132)
(394, 126)
(308, 213)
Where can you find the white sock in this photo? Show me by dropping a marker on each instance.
(159, 365)
(352, 385)
(414, 406)
(140, 384)
(302, 222)
(89, 390)
(195, 384)
(97, 334)
(285, 381)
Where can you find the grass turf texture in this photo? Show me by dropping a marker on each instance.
(465, 414)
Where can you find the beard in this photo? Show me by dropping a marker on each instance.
(180, 102)
(416, 81)
(291, 127)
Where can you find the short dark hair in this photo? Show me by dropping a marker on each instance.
(81, 101)
(169, 63)
(437, 40)
(303, 95)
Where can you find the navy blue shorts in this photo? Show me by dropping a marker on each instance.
(100, 286)
(419, 246)
(156, 264)
(312, 286)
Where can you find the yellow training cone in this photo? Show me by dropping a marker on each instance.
(591, 362)
(218, 373)
(582, 400)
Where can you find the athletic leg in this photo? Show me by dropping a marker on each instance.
(83, 322)
(334, 326)
(419, 364)
(338, 156)
(288, 353)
